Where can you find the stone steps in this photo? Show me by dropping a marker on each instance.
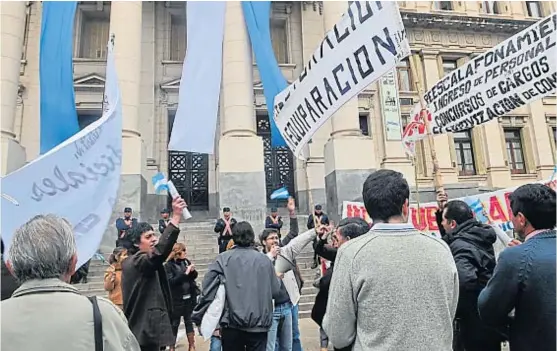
(201, 242)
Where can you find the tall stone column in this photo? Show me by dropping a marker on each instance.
(349, 156)
(12, 20)
(126, 25)
(541, 140)
(241, 169)
(310, 177)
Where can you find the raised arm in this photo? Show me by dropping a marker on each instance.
(294, 228)
(328, 253)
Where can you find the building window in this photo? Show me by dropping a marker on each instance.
(491, 7)
(95, 29)
(444, 5)
(364, 124)
(515, 152)
(177, 37)
(448, 66)
(404, 76)
(534, 8)
(279, 39)
(86, 118)
(464, 153)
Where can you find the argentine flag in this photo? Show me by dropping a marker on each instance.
(159, 182)
(478, 209)
(280, 194)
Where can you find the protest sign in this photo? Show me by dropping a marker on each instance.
(518, 71)
(367, 42)
(77, 180)
(496, 205)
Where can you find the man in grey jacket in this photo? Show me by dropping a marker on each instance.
(47, 313)
(394, 288)
(251, 285)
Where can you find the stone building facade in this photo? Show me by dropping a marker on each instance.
(150, 46)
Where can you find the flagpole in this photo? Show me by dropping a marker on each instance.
(104, 98)
(414, 160)
(438, 178)
(310, 197)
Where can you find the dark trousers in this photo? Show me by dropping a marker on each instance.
(238, 340)
(150, 348)
(182, 309)
(479, 339)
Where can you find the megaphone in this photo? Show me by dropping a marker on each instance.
(288, 253)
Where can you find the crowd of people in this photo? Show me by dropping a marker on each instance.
(384, 286)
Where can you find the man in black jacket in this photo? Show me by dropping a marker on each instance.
(251, 284)
(224, 227)
(471, 244)
(145, 290)
(163, 221)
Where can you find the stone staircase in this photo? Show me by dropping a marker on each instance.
(201, 242)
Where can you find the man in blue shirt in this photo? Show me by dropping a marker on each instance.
(524, 278)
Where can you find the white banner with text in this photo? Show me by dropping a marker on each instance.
(77, 180)
(516, 72)
(494, 204)
(367, 42)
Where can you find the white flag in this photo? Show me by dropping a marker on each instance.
(195, 122)
(77, 180)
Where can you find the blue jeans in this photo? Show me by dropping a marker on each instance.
(296, 342)
(280, 334)
(215, 344)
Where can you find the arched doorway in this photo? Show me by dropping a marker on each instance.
(279, 162)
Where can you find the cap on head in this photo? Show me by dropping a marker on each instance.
(226, 209)
(127, 209)
(165, 210)
(318, 207)
(273, 209)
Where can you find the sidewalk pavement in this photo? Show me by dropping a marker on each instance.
(308, 329)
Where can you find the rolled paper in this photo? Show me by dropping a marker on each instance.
(501, 235)
(174, 193)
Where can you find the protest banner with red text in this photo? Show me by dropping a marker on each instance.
(496, 205)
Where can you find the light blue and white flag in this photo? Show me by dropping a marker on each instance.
(280, 194)
(58, 116)
(257, 15)
(195, 122)
(478, 209)
(77, 180)
(159, 182)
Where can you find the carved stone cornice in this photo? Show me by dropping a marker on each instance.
(315, 5)
(464, 22)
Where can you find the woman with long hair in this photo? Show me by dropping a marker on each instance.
(181, 275)
(113, 276)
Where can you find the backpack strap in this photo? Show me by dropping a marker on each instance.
(97, 324)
